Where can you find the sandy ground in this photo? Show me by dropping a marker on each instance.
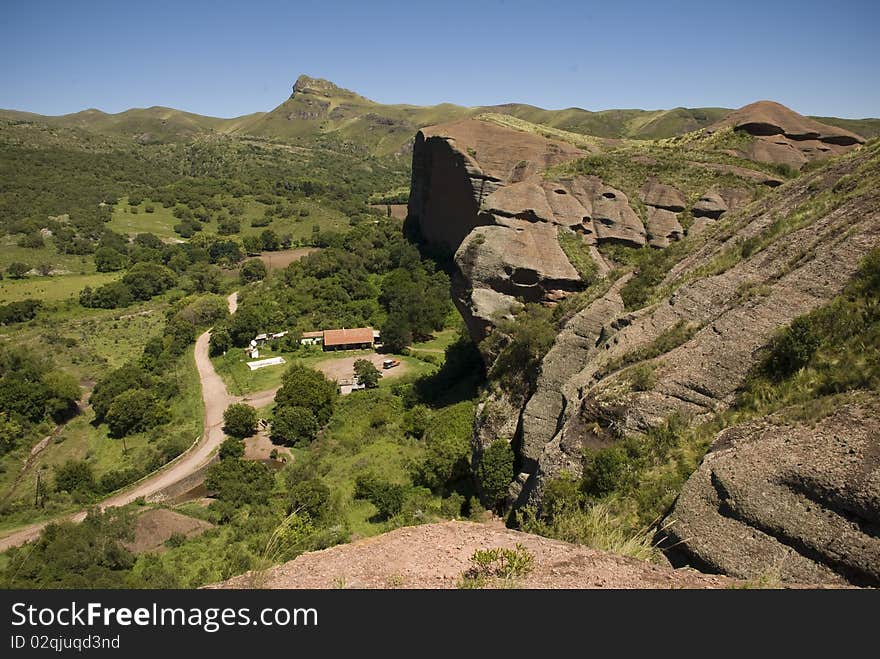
(260, 446)
(155, 526)
(283, 258)
(343, 368)
(435, 556)
(216, 399)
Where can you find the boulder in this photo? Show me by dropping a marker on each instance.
(710, 205)
(657, 194)
(790, 500)
(663, 227)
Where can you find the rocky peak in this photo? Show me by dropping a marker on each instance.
(306, 85)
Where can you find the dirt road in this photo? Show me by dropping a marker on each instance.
(216, 400)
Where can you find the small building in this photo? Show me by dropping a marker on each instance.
(359, 338)
(311, 338)
(347, 386)
(263, 363)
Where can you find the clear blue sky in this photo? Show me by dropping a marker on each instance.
(230, 58)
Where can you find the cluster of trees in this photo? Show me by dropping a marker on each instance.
(32, 390)
(154, 267)
(135, 397)
(371, 276)
(303, 404)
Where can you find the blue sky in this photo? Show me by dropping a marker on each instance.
(230, 58)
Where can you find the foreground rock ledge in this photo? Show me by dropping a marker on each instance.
(435, 555)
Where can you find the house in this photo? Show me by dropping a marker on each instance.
(359, 338)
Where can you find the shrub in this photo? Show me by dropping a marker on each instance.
(497, 563)
(253, 270)
(240, 482)
(310, 496)
(17, 270)
(240, 420)
(231, 448)
(791, 349)
(388, 498)
(74, 476)
(495, 472)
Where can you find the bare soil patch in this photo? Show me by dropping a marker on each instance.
(343, 368)
(155, 526)
(435, 555)
(283, 258)
(259, 447)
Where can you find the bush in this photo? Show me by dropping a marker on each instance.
(495, 472)
(604, 470)
(388, 498)
(240, 420)
(19, 311)
(231, 448)
(240, 482)
(310, 496)
(791, 349)
(17, 270)
(74, 476)
(253, 270)
(146, 280)
(108, 259)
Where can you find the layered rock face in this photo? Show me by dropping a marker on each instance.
(477, 191)
(581, 396)
(796, 502)
(785, 137)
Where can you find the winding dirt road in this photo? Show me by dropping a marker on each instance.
(216, 399)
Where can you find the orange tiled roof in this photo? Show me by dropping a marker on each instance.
(341, 337)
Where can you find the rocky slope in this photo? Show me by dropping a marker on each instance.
(796, 500)
(757, 254)
(436, 555)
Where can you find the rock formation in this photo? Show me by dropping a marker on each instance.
(790, 501)
(784, 137)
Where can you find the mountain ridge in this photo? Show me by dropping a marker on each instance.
(318, 107)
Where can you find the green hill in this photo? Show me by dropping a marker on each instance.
(319, 111)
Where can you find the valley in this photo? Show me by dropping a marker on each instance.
(616, 330)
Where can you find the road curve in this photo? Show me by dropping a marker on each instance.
(216, 399)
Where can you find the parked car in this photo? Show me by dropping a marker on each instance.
(390, 363)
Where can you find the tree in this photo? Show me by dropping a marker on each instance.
(17, 270)
(240, 420)
(135, 410)
(366, 373)
(109, 296)
(495, 472)
(129, 376)
(304, 387)
(269, 240)
(293, 425)
(240, 482)
(108, 259)
(146, 280)
(396, 333)
(231, 448)
(220, 341)
(253, 270)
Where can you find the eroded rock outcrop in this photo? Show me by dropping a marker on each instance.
(784, 137)
(794, 501)
(580, 390)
